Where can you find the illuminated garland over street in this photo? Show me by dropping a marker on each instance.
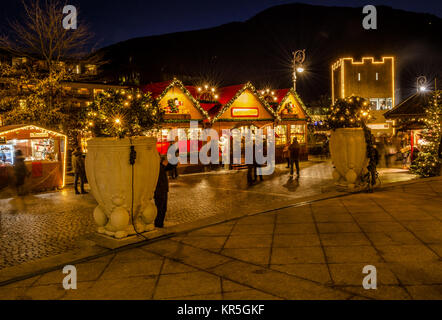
(248, 86)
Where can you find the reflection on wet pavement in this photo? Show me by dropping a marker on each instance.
(53, 222)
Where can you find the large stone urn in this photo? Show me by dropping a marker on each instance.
(349, 155)
(110, 173)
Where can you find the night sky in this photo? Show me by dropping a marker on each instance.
(118, 20)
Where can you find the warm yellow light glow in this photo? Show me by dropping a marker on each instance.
(340, 63)
(117, 121)
(213, 89)
(199, 89)
(300, 69)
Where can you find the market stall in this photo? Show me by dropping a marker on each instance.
(45, 156)
(241, 107)
(292, 121)
(180, 105)
(408, 122)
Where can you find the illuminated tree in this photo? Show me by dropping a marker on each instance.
(45, 54)
(122, 113)
(428, 161)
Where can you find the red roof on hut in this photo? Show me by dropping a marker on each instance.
(280, 94)
(156, 88)
(227, 93)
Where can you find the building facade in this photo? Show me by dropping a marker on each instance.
(371, 79)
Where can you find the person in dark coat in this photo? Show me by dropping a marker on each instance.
(20, 172)
(79, 170)
(161, 192)
(294, 150)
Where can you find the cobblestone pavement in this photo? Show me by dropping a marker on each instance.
(52, 223)
(313, 251)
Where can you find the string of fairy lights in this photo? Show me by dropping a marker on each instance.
(117, 112)
(428, 162)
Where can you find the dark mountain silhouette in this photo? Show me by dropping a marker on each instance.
(259, 49)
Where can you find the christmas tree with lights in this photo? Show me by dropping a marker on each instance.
(428, 161)
(122, 113)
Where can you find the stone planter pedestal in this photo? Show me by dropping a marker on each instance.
(110, 177)
(348, 151)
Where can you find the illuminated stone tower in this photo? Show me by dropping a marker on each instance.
(370, 79)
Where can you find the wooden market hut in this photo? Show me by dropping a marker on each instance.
(291, 122)
(44, 152)
(180, 108)
(408, 116)
(241, 107)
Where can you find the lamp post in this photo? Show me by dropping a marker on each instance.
(421, 83)
(298, 60)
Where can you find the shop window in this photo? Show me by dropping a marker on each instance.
(381, 103)
(281, 134)
(298, 131)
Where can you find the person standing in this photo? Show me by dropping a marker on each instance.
(294, 150)
(161, 192)
(79, 169)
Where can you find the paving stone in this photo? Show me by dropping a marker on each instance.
(297, 255)
(392, 238)
(433, 292)
(344, 239)
(248, 241)
(253, 255)
(404, 253)
(295, 228)
(179, 285)
(348, 254)
(338, 227)
(295, 240)
(312, 271)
